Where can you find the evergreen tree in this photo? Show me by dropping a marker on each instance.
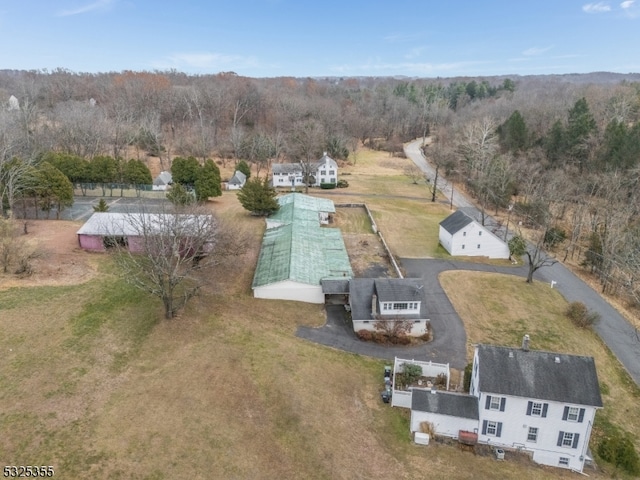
(258, 197)
(208, 182)
(580, 126)
(103, 170)
(185, 170)
(244, 167)
(137, 173)
(513, 133)
(101, 206)
(53, 188)
(554, 144)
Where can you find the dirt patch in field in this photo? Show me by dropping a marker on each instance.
(58, 260)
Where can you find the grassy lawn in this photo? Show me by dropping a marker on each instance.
(98, 385)
(94, 382)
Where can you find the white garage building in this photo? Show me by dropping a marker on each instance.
(461, 235)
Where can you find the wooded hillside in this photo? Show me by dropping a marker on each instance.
(562, 150)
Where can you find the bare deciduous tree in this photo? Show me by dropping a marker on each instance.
(174, 252)
(393, 327)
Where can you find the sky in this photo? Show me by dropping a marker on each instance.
(302, 38)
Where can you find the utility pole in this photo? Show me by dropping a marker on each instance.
(506, 230)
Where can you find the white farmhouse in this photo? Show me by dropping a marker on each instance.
(324, 170)
(538, 402)
(461, 235)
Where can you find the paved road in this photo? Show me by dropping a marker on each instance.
(613, 328)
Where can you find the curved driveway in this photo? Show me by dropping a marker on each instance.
(449, 344)
(618, 334)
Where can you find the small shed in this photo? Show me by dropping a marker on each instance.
(461, 235)
(237, 181)
(162, 181)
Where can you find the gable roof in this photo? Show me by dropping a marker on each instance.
(286, 168)
(335, 287)
(302, 254)
(538, 375)
(301, 208)
(361, 291)
(238, 178)
(456, 222)
(164, 178)
(134, 224)
(445, 403)
(326, 159)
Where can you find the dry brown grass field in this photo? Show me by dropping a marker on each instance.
(96, 383)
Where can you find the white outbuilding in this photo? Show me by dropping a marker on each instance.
(461, 235)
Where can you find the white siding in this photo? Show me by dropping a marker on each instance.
(418, 328)
(289, 290)
(473, 240)
(443, 424)
(516, 423)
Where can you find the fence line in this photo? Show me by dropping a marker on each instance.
(376, 230)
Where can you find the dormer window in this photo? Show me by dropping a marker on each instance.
(400, 307)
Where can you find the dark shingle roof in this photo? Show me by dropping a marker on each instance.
(238, 178)
(445, 403)
(455, 222)
(334, 287)
(285, 168)
(361, 291)
(540, 375)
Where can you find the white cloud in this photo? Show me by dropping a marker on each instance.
(630, 8)
(533, 51)
(205, 61)
(599, 7)
(91, 7)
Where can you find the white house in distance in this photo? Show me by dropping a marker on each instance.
(461, 235)
(542, 403)
(392, 299)
(324, 170)
(237, 181)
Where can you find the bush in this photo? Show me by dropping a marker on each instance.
(365, 335)
(467, 377)
(553, 237)
(412, 372)
(578, 313)
(342, 184)
(617, 448)
(328, 186)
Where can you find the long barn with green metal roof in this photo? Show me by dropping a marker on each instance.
(297, 253)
